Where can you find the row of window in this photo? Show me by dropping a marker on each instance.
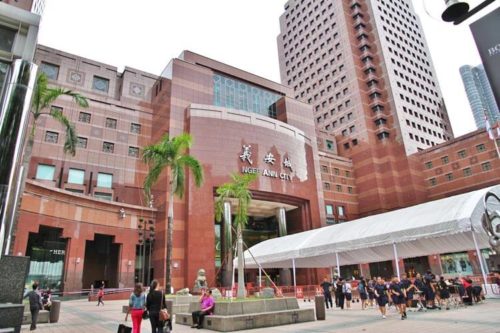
(467, 172)
(85, 117)
(338, 188)
(461, 154)
(99, 83)
(107, 147)
(330, 210)
(75, 176)
(336, 171)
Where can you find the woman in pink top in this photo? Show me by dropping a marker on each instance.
(207, 307)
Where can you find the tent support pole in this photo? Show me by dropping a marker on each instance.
(480, 258)
(396, 259)
(294, 278)
(338, 263)
(260, 277)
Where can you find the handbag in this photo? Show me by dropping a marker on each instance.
(164, 315)
(124, 329)
(145, 315)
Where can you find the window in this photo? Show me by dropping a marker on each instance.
(135, 128)
(51, 137)
(104, 180)
(76, 176)
(100, 84)
(84, 117)
(324, 168)
(481, 147)
(350, 190)
(448, 176)
(133, 151)
(110, 123)
(462, 154)
(50, 70)
(336, 171)
(104, 196)
(428, 165)
(326, 186)
(81, 142)
(467, 172)
(432, 182)
(108, 147)
(329, 144)
(445, 160)
(486, 166)
(347, 173)
(329, 209)
(339, 188)
(341, 210)
(8, 38)
(45, 172)
(383, 135)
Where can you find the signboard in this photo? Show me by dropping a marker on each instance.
(487, 37)
(270, 170)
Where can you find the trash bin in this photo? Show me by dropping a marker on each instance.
(55, 309)
(319, 304)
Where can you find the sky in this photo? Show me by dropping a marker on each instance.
(146, 34)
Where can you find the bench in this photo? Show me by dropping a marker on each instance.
(250, 314)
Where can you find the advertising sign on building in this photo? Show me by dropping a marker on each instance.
(487, 37)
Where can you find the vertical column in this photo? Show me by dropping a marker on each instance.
(14, 115)
(285, 274)
(227, 250)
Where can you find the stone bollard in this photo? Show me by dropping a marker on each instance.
(319, 303)
(55, 309)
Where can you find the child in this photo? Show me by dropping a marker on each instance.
(100, 295)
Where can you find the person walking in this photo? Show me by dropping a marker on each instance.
(207, 307)
(347, 290)
(155, 301)
(363, 292)
(371, 292)
(339, 293)
(35, 305)
(398, 297)
(326, 285)
(382, 296)
(136, 305)
(100, 295)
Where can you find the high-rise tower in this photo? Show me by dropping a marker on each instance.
(479, 94)
(365, 67)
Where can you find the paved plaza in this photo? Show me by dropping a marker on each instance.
(82, 316)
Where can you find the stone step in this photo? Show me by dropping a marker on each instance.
(43, 317)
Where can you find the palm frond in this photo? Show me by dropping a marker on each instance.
(71, 137)
(194, 166)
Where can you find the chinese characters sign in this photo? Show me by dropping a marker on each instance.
(269, 160)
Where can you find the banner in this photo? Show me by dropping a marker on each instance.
(487, 36)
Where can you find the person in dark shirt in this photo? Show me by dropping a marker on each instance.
(406, 286)
(363, 292)
(339, 293)
(35, 305)
(381, 295)
(444, 292)
(155, 301)
(326, 285)
(398, 296)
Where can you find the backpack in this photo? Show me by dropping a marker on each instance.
(361, 288)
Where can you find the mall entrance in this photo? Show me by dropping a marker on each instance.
(101, 262)
(266, 220)
(416, 265)
(382, 268)
(47, 252)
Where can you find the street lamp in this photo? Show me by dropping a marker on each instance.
(146, 231)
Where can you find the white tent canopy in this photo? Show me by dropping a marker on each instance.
(440, 226)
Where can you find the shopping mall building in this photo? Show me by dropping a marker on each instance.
(84, 219)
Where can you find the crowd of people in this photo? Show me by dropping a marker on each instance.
(421, 292)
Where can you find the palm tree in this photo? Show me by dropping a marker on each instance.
(170, 153)
(237, 189)
(41, 105)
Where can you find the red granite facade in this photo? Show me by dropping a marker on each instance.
(79, 210)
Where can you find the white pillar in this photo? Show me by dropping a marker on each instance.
(480, 258)
(338, 263)
(260, 277)
(294, 278)
(396, 258)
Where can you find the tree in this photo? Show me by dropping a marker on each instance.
(171, 154)
(237, 189)
(41, 105)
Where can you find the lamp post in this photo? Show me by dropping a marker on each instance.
(146, 230)
(458, 11)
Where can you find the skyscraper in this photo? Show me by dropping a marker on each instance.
(479, 93)
(365, 68)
